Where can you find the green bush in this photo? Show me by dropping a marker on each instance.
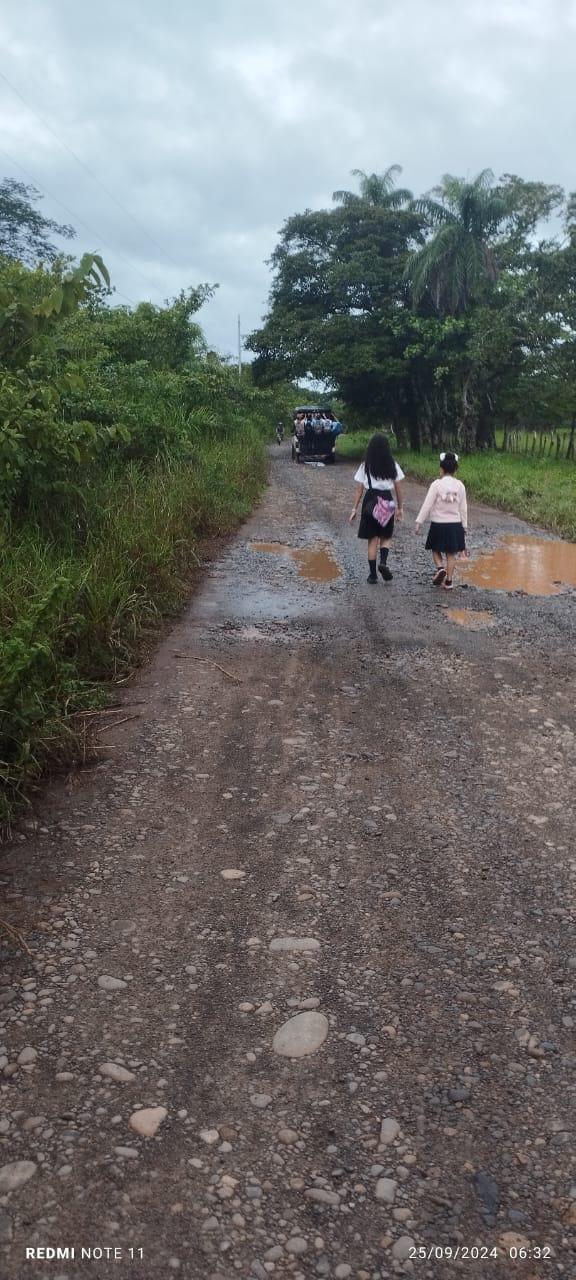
(123, 442)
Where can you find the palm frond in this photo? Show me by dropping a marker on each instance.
(399, 197)
(435, 213)
(345, 197)
(377, 189)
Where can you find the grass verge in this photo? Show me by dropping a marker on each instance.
(536, 489)
(83, 589)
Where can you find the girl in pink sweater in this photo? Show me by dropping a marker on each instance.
(446, 507)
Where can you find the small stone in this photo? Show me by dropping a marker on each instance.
(297, 1246)
(274, 1254)
(126, 1153)
(209, 1136)
(246, 1007)
(343, 1270)
(513, 1240)
(6, 1231)
(288, 1137)
(488, 1191)
(294, 944)
(459, 1095)
(389, 1131)
(33, 1123)
(211, 1224)
(232, 873)
(386, 1190)
(114, 1072)
(321, 1196)
(16, 1175)
(26, 1057)
(301, 1036)
(147, 1121)
(106, 983)
(401, 1248)
(260, 1100)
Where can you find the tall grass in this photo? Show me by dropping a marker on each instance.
(539, 490)
(83, 587)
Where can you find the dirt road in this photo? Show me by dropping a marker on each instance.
(392, 792)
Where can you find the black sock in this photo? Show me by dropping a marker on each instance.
(384, 554)
(372, 568)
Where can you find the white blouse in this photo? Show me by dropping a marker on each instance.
(375, 481)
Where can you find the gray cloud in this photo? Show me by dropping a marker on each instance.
(211, 127)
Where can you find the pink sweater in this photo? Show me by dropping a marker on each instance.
(445, 503)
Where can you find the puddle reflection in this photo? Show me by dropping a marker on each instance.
(316, 564)
(538, 566)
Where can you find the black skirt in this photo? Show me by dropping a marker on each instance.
(448, 538)
(369, 527)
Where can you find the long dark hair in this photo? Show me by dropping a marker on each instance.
(378, 460)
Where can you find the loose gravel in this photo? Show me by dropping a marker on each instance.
(301, 994)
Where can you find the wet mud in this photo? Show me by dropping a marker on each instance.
(472, 619)
(316, 563)
(536, 566)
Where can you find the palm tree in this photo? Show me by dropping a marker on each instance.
(376, 189)
(457, 262)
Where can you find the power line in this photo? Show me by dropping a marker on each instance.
(91, 230)
(89, 171)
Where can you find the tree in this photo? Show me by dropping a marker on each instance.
(442, 316)
(377, 189)
(459, 259)
(24, 231)
(337, 287)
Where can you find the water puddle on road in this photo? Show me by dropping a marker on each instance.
(316, 564)
(472, 619)
(537, 566)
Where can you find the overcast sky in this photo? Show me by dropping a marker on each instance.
(211, 122)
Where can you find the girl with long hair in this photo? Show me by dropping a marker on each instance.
(378, 487)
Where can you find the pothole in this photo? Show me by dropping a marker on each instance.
(537, 566)
(472, 619)
(316, 563)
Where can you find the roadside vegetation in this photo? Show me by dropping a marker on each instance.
(123, 442)
(533, 488)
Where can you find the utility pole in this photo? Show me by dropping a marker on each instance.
(239, 352)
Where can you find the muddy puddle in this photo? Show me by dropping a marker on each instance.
(316, 564)
(472, 619)
(537, 566)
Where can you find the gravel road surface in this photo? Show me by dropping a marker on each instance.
(300, 1001)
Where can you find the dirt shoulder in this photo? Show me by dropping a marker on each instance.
(391, 787)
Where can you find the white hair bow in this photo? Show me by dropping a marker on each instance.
(443, 455)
